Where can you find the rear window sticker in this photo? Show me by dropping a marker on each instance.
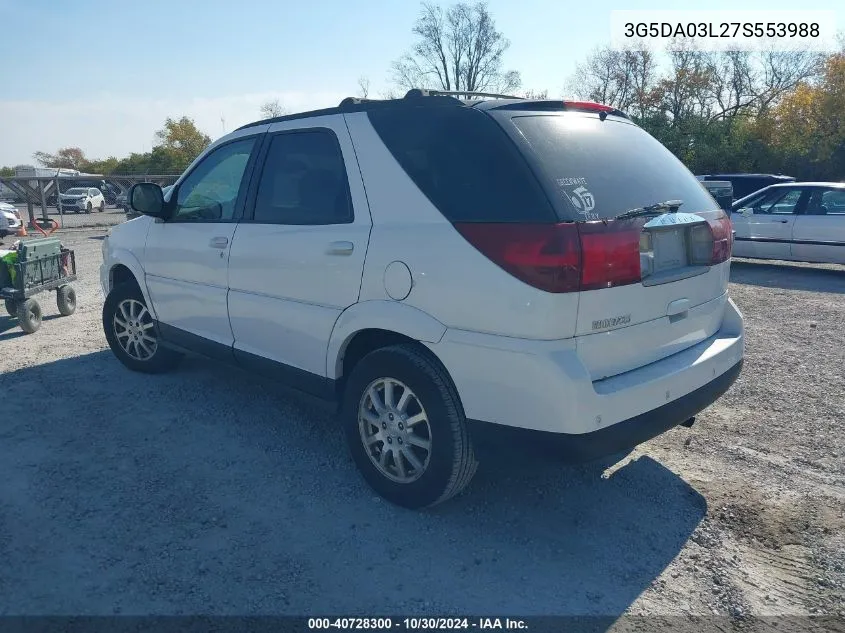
(580, 197)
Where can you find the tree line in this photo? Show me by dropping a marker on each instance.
(766, 111)
(771, 112)
(176, 144)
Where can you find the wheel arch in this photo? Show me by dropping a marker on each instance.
(373, 324)
(125, 267)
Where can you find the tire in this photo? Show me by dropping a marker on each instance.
(12, 307)
(29, 315)
(146, 354)
(102, 207)
(450, 462)
(66, 300)
(88, 207)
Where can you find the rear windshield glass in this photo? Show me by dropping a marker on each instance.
(603, 168)
(464, 163)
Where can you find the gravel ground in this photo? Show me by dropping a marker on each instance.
(208, 491)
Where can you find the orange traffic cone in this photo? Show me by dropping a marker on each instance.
(22, 231)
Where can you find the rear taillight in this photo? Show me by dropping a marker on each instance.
(546, 256)
(565, 257)
(722, 239)
(610, 253)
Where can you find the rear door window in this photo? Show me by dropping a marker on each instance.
(304, 181)
(463, 161)
(600, 169)
(827, 202)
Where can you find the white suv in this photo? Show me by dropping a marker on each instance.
(10, 221)
(83, 199)
(433, 264)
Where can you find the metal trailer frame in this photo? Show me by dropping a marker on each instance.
(64, 262)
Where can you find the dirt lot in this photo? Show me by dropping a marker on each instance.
(208, 491)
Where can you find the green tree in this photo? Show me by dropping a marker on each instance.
(104, 166)
(65, 158)
(807, 127)
(182, 142)
(7, 172)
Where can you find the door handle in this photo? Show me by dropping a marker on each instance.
(340, 248)
(783, 221)
(218, 242)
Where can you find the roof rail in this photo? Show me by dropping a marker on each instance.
(355, 101)
(424, 92)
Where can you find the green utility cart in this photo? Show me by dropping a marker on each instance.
(37, 266)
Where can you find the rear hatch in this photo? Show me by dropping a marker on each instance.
(651, 284)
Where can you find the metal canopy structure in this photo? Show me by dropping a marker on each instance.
(34, 190)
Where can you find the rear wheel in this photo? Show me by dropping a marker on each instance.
(406, 428)
(12, 307)
(29, 315)
(102, 207)
(131, 332)
(66, 300)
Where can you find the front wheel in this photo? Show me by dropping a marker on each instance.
(88, 208)
(131, 332)
(405, 427)
(11, 307)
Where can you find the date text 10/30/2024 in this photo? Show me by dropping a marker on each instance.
(418, 624)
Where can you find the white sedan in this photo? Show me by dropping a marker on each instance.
(801, 221)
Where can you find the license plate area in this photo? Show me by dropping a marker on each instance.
(670, 253)
(669, 247)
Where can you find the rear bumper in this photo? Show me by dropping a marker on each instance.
(621, 436)
(544, 385)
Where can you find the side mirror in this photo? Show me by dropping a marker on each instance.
(746, 211)
(146, 198)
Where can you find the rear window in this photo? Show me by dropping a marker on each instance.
(464, 163)
(603, 168)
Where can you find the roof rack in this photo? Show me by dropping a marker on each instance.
(355, 101)
(425, 92)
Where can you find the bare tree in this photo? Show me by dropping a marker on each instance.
(457, 49)
(272, 108)
(781, 71)
(695, 83)
(536, 94)
(363, 87)
(624, 79)
(749, 84)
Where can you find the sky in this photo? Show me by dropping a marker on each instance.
(103, 75)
